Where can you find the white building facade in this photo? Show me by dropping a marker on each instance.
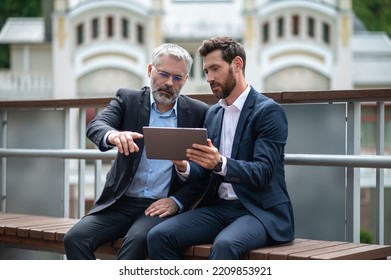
(90, 48)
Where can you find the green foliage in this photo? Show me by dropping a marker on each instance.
(366, 236)
(4, 56)
(375, 14)
(16, 8)
(19, 8)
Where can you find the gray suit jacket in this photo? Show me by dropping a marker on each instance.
(130, 110)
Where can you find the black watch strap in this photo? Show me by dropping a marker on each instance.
(218, 166)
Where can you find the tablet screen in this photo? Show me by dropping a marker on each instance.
(171, 142)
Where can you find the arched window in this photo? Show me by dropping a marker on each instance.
(326, 33)
(140, 34)
(95, 28)
(280, 27)
(110, 26)
(311, 27)
(265, 32)
(295, 25)
(80, 34)
(125, 28)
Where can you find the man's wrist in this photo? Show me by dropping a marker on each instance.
(218, 167)
(180, 205)
(106, 138)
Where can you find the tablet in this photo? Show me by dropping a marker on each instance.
(171, 142)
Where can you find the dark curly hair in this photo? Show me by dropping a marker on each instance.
(230, 48)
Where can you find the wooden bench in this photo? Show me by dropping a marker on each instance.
(47, 234)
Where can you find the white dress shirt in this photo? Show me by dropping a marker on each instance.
(230, 122)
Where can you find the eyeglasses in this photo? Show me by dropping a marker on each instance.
(165, 75)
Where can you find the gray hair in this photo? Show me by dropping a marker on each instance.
(172, 50)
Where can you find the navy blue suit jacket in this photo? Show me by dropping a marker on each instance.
(256, 167)
(130, 111)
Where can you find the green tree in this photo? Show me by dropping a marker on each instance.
(16, 8)
(375, 14)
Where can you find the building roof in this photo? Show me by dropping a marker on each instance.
(371, 43)
(371, 58)
(23, 30)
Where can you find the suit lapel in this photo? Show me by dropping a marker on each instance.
(183, 112)
(144, 110)
(214, 130)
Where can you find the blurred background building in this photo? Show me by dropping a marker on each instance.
(89, 48)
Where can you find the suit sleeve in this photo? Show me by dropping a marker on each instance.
(262, 149)
(189, 193)
(108, 119)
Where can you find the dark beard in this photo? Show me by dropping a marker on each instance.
(227, 87)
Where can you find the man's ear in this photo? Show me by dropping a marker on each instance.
(149, 70)
(238, 63)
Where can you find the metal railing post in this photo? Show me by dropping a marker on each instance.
(66, 193)
(82, 163)
(97, 172)
(98, 176)
(352, 196)
(3, 188)
(380, 115)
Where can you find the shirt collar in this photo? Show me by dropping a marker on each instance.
(239, 102)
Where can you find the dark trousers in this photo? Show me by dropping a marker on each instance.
(125, 218)
(227, 224)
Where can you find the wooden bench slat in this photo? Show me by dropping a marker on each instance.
(201, 251)
(282, 253)
(263, 253)
(50, 231)
(305, 247)
(312, 254)
(12, 228)
(188, 253)
(46, 233)
(24, 231)
(370, 252)
(12, 222)
(55, 232)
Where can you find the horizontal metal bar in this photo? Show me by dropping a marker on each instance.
(365, 161)
(285, 97)
(369, 161)
(59, 153)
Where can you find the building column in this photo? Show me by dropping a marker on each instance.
(251, 43)
(343, 60)
(64, 81)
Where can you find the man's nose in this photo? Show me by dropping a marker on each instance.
(210, 78)
(169, 80)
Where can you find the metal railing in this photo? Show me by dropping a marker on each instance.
(352, 161)
(360, 161)
(25, 85)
